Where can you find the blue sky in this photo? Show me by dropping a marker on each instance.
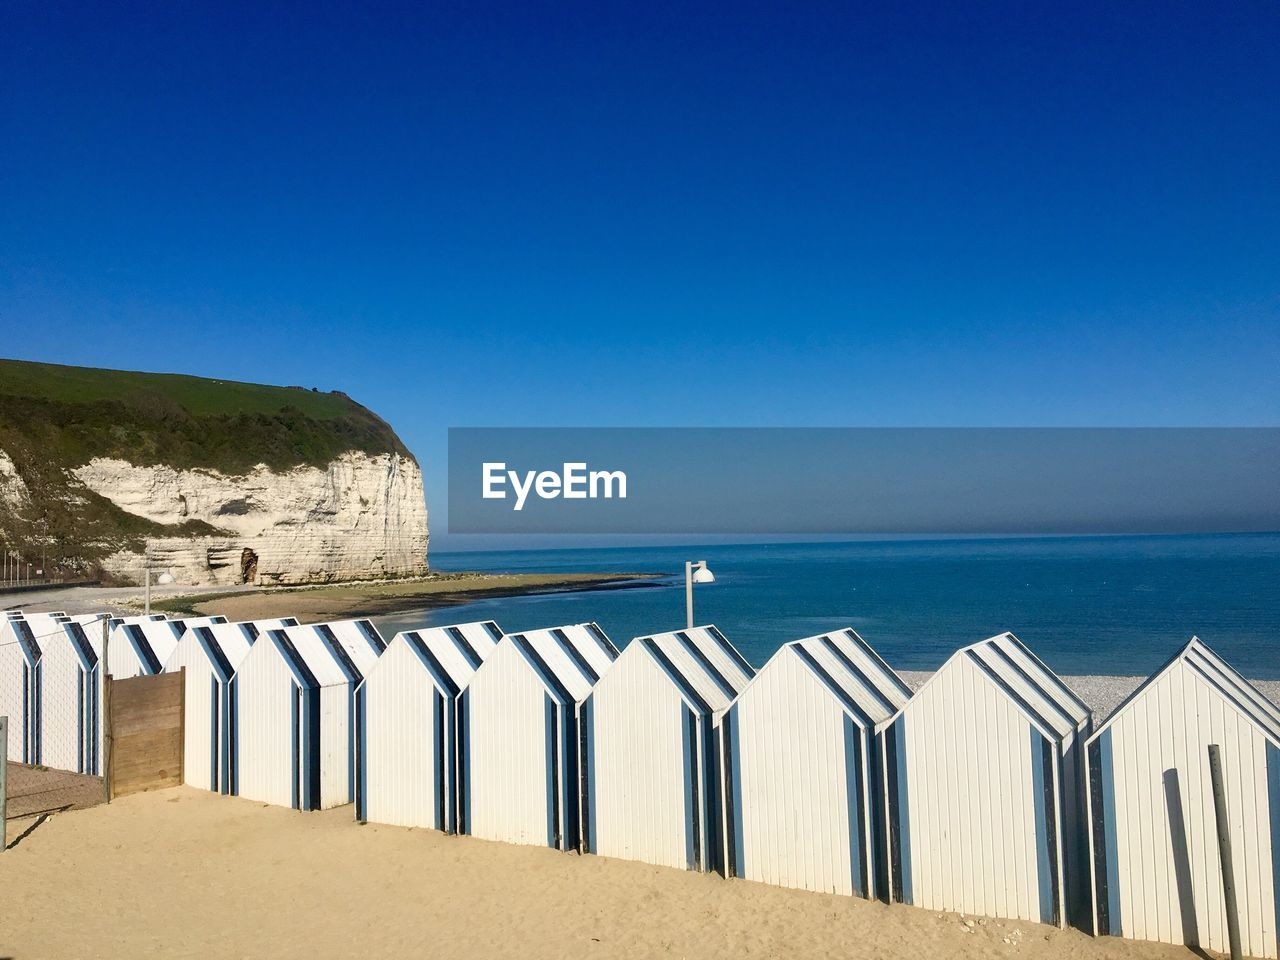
(1004, 214)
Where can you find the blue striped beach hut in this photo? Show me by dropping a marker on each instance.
(1155, 868)
(651, 750)
(356, 646)
(983, 790)
(293, 708)
(800, 769)
(210, 655)
(406, 719)
(20, 688)
(519, 738)
(70, 714)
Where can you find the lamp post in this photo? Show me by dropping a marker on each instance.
(164, 580)
(694, 572)
(146, 576)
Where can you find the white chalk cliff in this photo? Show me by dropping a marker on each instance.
(14, 494)
(361, 517)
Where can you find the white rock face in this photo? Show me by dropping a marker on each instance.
(14, 495)
(361, 517)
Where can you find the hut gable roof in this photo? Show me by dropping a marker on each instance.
(274, 624)
(1006, 663)
(87, 648)
(571, 658)
(348, 645)
(203, 639)
(233, 639)
(456, 651)
(705, 661)
(19, 632)
(1210, 669)
(309, 656)
(1036, 671)
(359, 633)
(843, 665)
(188, 623)
(1029, 680)
(408, 648)
(47, 626)
(36, 618)
(152, 642)
(1210, 664)
(860, 673)
(89, 619)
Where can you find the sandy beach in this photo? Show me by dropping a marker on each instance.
(314, 604)
(327, 602)
(181, 873)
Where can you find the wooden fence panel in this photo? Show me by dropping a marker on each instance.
(144, 723)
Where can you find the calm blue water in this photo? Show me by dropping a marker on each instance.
(1086, 605)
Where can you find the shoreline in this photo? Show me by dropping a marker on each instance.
(385, 598)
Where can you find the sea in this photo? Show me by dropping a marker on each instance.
(1087, 605)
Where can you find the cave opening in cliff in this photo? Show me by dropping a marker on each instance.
(248, 566)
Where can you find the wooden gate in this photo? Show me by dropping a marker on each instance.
(144, 732)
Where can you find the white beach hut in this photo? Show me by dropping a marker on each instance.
(356, 645)
(1155, 867)
(23, 637)
(70, 711)
(406, 714)
(20, 688)
(801, 768)
(518, 722)
(293, 694)
(984, 788)
(651, 749)
(142, 647)
(210, 655)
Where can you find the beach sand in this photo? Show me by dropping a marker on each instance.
(317, 604)
(312, 604)
(182, 873)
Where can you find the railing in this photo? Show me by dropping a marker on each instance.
(38, 583)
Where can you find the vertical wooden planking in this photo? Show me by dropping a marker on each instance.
(639, 763)
(146, 733)
(1167, 874)
(971, 803)
(797, 765)
(406, 773)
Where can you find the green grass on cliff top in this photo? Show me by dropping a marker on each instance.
(56, 417)
(197, 395)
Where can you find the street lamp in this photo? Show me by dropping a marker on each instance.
(697, 572)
